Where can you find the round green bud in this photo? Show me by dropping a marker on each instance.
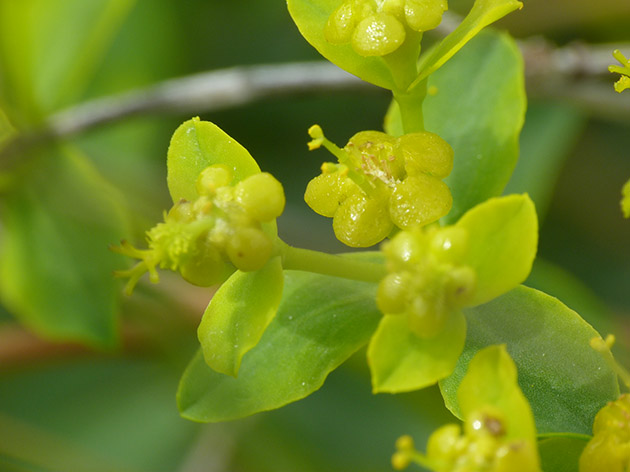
(261, 195)
(405, 250)
(213, 177)
(391, 297)
(361, 221)
(426, 153)
(460, 286)
(249, 249)
(341, 23)
(442, 445)
(325, 193)
(378, 35)
(426, 317)
(424, 15)
(206, 267)
(450, 244)
(418, 201)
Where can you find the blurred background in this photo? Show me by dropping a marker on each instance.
(99, 394)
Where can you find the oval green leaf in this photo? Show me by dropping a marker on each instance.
(55, 268)
(565, 381)
(479, 109)
(503, 238)
(400, 361)
(238, 315)
(311, 16)
(196, 145)
(321, 322)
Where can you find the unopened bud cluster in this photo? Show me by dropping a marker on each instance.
(206, 239)
(379, 27)
(381, 182)
(481, 447)
(426, 281)
(609, 449)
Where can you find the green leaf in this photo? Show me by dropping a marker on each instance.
(565, 381)
(478, 109)
(196, 145)
(238, 315)
(561, 453)
(321, 321)
(55, 266)
(311, 17)
(53, 50)
(491, 381)
(550, 132)
(483, 13)
(502, 242)
(400, 361)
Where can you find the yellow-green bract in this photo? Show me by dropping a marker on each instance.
(503, 235)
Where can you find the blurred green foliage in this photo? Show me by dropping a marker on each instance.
(80, 410)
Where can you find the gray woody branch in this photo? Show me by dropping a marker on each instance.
(572, 73)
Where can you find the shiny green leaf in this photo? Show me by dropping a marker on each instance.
(196, 145)
(238, 315)
(482, 14)
(491, 381)
(476, 103)
(502, 243)
(321, 321)
(311, 16)
(55, 266)
(561, 453)
(400, 361)
(565, 381)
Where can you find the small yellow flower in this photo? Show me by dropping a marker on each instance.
(381, 183)
(624, 69)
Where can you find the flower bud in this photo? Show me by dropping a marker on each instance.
(378, 35)
(249, 249)
(261, 195)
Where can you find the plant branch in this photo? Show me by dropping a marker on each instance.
(575, 73)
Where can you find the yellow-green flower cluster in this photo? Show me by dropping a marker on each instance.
(379, 27)
(624, 69)
(426, 282)
(481, 447)
(609, 449)
(206, 239)
(380, 183)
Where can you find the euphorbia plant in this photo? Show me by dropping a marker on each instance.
(441, 290)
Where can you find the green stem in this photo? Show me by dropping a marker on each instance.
(403, 65)
(294, 258)
(410, 106)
